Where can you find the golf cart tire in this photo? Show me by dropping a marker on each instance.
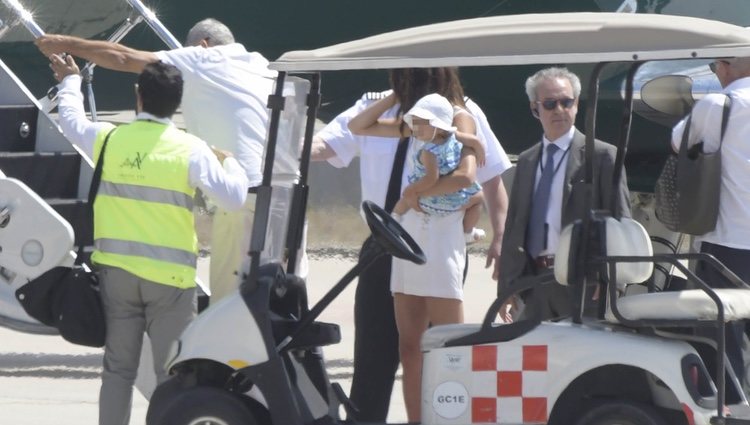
(621, 413)
(209, 405)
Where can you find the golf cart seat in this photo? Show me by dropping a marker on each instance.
(691, 304)
(627, 237)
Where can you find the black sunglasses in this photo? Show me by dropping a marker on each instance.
(551, 104)
(712, 65)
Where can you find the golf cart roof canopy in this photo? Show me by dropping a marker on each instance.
(530, 39)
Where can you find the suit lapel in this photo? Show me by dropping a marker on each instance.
(575, 162)
(526, 173)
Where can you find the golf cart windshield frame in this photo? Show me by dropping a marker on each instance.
(500, 40)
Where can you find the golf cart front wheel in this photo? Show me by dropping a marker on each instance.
(621, 413)
(208, 406)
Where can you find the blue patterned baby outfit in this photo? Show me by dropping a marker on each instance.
(448, 156)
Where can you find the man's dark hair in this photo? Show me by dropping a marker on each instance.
(160, 88)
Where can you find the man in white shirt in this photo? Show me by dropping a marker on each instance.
(729, 242)
(376, 338)
(226, 90)
(144, 235)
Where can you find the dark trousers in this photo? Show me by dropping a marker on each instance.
(738, 261)
(375, 340)
(555, 300)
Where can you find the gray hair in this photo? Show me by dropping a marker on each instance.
(214, 32)
(740, 64)
(552, 74)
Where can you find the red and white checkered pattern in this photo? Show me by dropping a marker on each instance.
(509, 384)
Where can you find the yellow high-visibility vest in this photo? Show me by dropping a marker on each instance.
(143, 212)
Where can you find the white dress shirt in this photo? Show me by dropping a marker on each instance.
(226, 186)
(377, 153)
(224, 102)
(554, 206)
(733, 226)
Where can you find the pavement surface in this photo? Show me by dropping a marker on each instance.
(45, 380)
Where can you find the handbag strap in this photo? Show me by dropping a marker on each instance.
(97, 177)
(724, 121)
(94, 188)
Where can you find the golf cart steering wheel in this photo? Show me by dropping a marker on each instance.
(390, 235)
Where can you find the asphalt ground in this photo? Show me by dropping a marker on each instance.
(45, 380)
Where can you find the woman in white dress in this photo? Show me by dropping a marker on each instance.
(431, 293)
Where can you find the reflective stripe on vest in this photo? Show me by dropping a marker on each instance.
(161, 253)
(150, 194)
(143, 218)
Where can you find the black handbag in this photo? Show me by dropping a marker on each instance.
(67, 298)
(688, 189)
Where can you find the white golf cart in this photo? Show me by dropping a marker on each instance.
(255, 357)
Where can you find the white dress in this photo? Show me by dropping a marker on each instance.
(442, 240)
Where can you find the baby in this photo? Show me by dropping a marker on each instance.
(430, 123)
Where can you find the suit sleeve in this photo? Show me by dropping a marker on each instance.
(606, 172)
(509, 237)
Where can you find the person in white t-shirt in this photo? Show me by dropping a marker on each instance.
(224, 103)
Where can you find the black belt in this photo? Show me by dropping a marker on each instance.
(545, 261)
(253, 189)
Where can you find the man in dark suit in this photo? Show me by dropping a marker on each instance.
(548, 188)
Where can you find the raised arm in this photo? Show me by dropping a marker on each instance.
(76, 127)
(103, 53)
(369, 123)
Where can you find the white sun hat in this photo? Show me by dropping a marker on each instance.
(434, 108)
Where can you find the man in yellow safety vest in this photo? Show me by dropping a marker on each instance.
(144, 237)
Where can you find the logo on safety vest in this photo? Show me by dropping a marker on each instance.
(134, 163)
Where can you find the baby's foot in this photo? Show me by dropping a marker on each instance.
(475, 235)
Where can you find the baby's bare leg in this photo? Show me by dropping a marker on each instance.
(473, 210)
(401, 207)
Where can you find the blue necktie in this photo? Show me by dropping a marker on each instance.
(535, 232)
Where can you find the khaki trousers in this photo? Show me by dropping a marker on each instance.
(133, 306)
(230, 244)
(230, 247)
